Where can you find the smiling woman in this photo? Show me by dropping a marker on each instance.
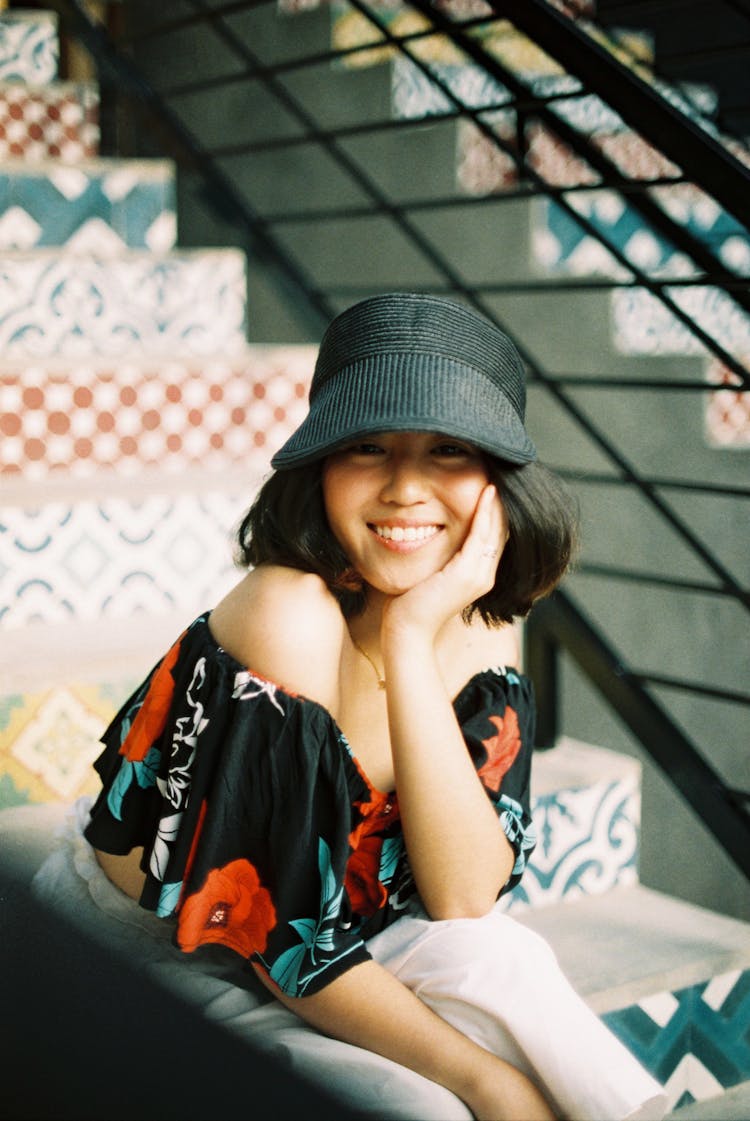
(328, 774)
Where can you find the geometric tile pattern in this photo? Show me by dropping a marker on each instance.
(61, 305)
(49, 740)
(28, 47)
(85, 417)
(696, 1042)
(60, 121)
(113, 558)
(641, 324)
(587, 843)
(101, 207)
(561, 244)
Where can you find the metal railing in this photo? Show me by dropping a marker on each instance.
(592, 71)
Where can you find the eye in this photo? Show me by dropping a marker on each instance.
(452, 450)
(363, 448)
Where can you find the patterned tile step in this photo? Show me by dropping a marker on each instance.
(694, 1041)
(59, 121)
(641, 324)
(61, 687)
(586, 809)
(98, 207)
(56, 305)
(82, 418)
(560, 244)
(672, 979)
(50, 739)
(107, 559)
(727, 412)
(29, 47)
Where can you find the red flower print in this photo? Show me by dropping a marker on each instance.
(365, 891)
(152, 715)
(232, 908)
(501, 749)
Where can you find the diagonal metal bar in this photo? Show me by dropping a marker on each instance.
(310, 307)
(652, 213)
(699, 154)
(560, 623)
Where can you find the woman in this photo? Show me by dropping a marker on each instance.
(329, 773)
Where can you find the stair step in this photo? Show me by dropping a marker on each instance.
(671, 979)
(732, 1105)
(73, 421)
(61, 687)
(586, 809)
(29, 47)
(99, 206)
(55, 305)
(57, 121)
(109, 557)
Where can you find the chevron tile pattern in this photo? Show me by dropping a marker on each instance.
(100, 207)
(29, 47)
(60, 121)
(60, 305)
(696, 1041)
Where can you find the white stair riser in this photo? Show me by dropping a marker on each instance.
(61, 306)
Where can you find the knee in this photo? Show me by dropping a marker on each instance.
(491, 942)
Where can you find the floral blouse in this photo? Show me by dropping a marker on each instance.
(260, 829)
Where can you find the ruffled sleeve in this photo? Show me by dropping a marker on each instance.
(497, 716)
(241, 795)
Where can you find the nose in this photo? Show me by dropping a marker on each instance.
(405, 482)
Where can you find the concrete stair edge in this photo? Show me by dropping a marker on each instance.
(639, 942)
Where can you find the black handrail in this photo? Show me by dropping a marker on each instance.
(557, 624)
(704, 159)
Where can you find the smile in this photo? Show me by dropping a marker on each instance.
(406, 533)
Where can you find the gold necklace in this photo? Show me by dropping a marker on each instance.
(363, 652)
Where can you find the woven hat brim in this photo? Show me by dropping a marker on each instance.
(404, 393)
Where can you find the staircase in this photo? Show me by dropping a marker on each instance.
(137, 421)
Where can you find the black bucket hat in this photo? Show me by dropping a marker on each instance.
(407, 362)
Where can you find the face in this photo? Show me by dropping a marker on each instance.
(401, 504)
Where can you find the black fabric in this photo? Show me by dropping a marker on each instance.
(261, 831)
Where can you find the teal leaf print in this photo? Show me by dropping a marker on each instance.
(119, 789)
(168, 898)
(318, 936)
(390, 855)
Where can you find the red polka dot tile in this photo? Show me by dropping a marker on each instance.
(81, 419)
(59, 121)
(727, 416)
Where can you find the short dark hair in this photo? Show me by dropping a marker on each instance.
(287, 525)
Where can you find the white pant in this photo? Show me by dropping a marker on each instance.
(492, 978)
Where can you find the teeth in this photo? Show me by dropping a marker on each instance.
(408, 533)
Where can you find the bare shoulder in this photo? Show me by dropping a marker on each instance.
(493, 646)
(285, 625)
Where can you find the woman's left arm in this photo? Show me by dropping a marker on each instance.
(457, 849)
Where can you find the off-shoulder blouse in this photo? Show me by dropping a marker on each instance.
(261, 831)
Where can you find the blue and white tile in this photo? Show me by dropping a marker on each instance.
(97, 207)
(189, 303)
(109, 559)
(29, 47)
(642, 324)
(587, 843)
(694, 1041)
(561, 244)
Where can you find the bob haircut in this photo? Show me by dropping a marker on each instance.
(287, 525)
